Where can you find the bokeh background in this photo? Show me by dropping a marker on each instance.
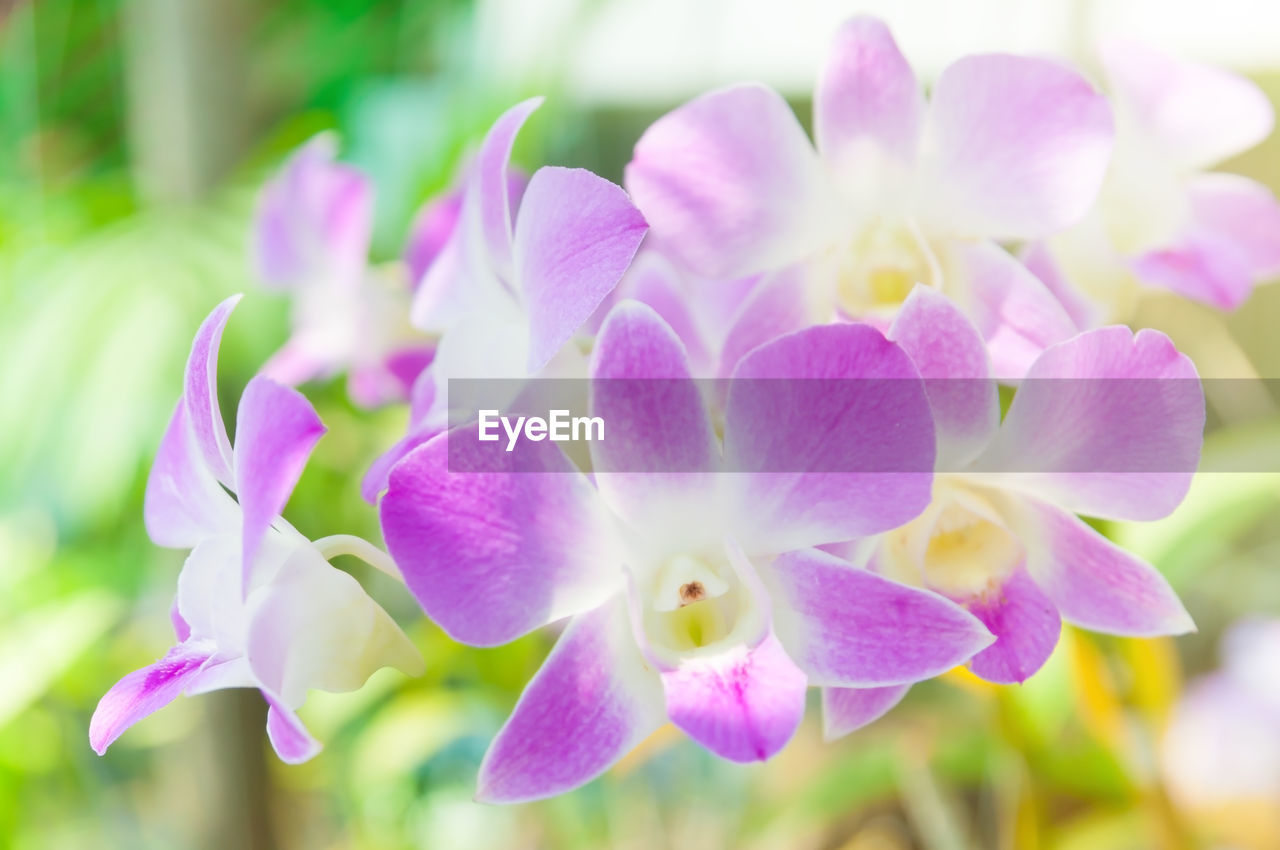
(133, 137)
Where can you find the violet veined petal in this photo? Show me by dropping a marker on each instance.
(574, 238)
(1015, 312)
(848, 627)
(1020, 147)
(952, 358)
(731, 185)
(1107, 424)
(313, 626)
(184, 503)
(289, 737)
(743, 704)
(592, 701)
(1094, 583)
(492, 555)
(200, 393)
(1198, 115)
(1231, 243)
(833, 426)
(658, 446)
(145, 691)
(776, 306)
(868, 104)
(276, 429)
(1026, 625)
(654, 281)
(847, 709)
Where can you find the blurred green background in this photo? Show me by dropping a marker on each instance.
(133, 136)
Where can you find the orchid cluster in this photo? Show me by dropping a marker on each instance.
(722, 552)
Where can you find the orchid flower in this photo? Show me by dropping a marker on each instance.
(692, 595)
(1162, 220)
(1107, 424)
(312, 232)
(524, 269)
(258, 604)
(897, 192)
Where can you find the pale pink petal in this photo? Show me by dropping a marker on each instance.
(848, 627)
(574, 238)
(950, 355)
(1107, 424)
(776, 306)
(200, 393)
(1039, 260)
(742, 704)
(590, 704)
(184, 503)
(1026, 625)
(313, 220)
(1016, 314)
(145, 691)
(491, 555)
(834, 426)
(290, 739)
(868, 104)
(1196, 114)
(1093, 582)
(1020, 147)
(1230, 244)
(297, 363)
(731, 185)
(847, 709)
(276, 429)
(432, 228)
(488, 212)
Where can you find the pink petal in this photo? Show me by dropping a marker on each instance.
(847, 709)
(867, 101)
(297, 363)
(488, 209)
(742, 704)
(201, 392)
(290, 739)
(575, 236)
(1198, 115)
(492, 555)
(1040, 262)
(848, 627)
(730, 183)
(432, 228)
(776, 306)
(184, 503)
(1093, 582)
(653, 280)
(950, 355)
(314, 219)
(659, 443)
(1231, 243)
(1107, 424)
(145, 691)
(1026, 625)
(276, 429)
(1016, 314)
(1021, 147)
(834, 424)
(590, 704)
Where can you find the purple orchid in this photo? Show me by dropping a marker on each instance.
(258, 604)
(312, 232)
(524, 269)
(693, 595)
(897, 193)
(1161, 219)
(1107, 424)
